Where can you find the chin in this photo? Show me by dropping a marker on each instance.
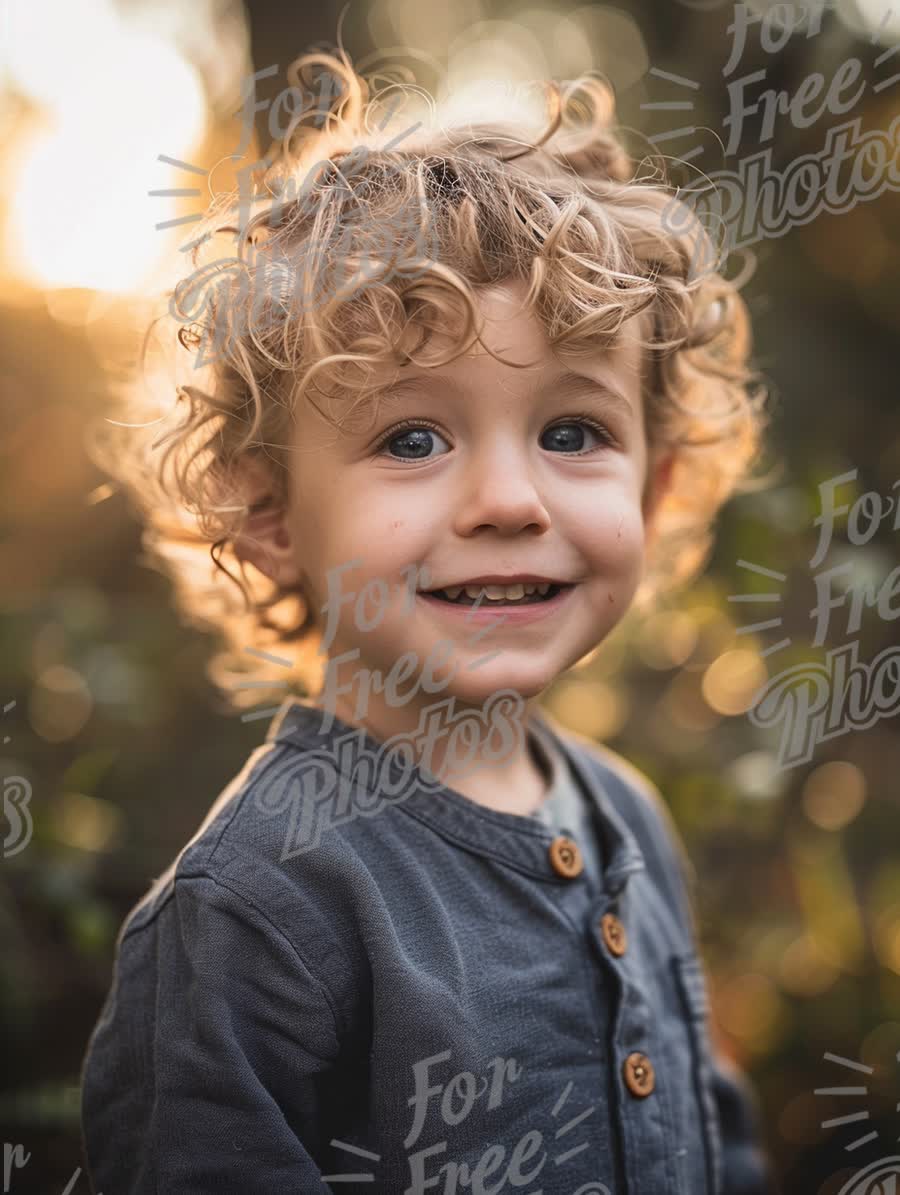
(477, 687)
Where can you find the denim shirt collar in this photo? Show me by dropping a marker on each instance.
(521, 842)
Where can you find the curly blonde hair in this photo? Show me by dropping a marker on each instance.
(358, 244)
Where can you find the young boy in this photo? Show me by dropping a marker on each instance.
(428, 940)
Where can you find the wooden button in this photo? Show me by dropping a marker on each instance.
(637, 1071)
(614, 934)
(565, 857)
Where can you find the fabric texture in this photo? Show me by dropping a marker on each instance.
(353, 979)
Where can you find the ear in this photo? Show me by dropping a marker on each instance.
(659, 481)
(265, 539)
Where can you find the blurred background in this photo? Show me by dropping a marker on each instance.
(109, 718)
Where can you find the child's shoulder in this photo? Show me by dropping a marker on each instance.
(239, 847)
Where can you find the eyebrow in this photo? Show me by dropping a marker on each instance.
(564, 381)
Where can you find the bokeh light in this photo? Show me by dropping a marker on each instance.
(60, 704)
(833, 794)
(751, 1008)
(805, 969)
(732, 681)
(592, 708)
(88, 155)
(757, 775)
(667, 639)
(86, 823)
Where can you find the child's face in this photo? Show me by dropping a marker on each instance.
(477, 484)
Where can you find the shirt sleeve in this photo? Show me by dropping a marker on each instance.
(204, 1071)
(746, 1168)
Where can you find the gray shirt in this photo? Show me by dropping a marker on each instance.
(354, 970)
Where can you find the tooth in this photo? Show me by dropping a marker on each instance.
(514, 592)
(453, 592)
(472, 591)
(542, 589)
(530, 589)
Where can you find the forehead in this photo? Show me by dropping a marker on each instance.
(529, 362)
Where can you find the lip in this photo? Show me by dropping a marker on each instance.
(512, 615)
(503, 579)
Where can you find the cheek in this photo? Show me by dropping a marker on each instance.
(386, 532)
(361, 560)
(611, 535)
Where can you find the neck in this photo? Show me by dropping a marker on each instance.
(477, 749)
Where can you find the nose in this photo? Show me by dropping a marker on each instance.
(499, 492)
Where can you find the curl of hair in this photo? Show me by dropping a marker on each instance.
(360, 244)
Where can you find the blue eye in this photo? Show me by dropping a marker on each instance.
(569, 437)
(413, 440)
(416, 438)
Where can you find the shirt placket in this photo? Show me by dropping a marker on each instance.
(641, 1131)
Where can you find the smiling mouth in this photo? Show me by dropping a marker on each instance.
(468, 595)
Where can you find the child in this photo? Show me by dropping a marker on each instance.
(428, 940)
